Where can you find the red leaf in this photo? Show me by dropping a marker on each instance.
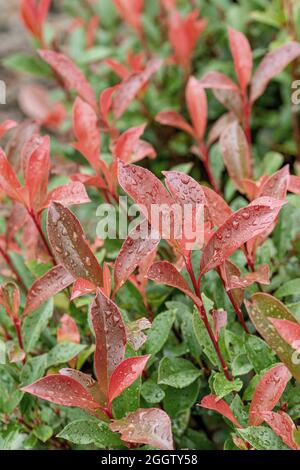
(82, 287)
(219, 320)
(37, 174)
(42, 9)
(218, 209)
(10, 298)
(6, 126)
(35, 102)
(229, 270)
(69, 245)
(131, 12)
(197, 106)
(184, 34)
(71, 75)
(87, 132)
(288, 330)
(86, 381)
(212, 402)
(132, 253)
(131, 86)
(9, 182)
(242, 56)
(219, 126)
(130, 148)
(50, 284)
(294, 184)
(271, 65)
(242, 226)
(276, 185)
(150, 426)
(262, 276)
(268, 392)
(68, 331)
(34, 15)
(134, 332)
(218, 80)
(125, 374)
(62, 390)
(184, 188)
(164, 272)
(69, 194)
(236, 154)
(147, 190)
(106, 103)
(88, 180)
(106, 280)
(231, 100)
(282, 425)
(174, 119)
(110, 339)
(119, 69)
(186, 191)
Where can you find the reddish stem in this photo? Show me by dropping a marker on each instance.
(205, 154)
(12, 268)
(17, 325)
(205, 320)
(235, 305)
(247, 109)
(41, 233)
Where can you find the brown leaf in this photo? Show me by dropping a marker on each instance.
(69, 245)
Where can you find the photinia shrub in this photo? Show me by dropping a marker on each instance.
(150, 241)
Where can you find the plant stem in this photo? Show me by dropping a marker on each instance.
(238, 311)
(41, 233)
(13, 269)
(17, 325)
(235, 305)
(205, 320)
(205, 153)
(251, 266)
(247, 108)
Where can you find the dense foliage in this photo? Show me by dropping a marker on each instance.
(148, 343)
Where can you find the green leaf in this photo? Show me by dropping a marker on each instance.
(43, 432)
(262, 438)
(204, 339)
(94, 54)
(180, 399)
(289, 288)
(151, 392)
(159, 332)
(296, 436)
(21, 268)
(271, 162)
(195, 440)
(185, 318)
(33, 369)
(2, 352)
(264, 306)
(223, 387)
(63, 352)
(28, 63)
(35, 323)
(241, 365)
(259, 353)
(88, 431)
(129, 400)
(177, 372)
